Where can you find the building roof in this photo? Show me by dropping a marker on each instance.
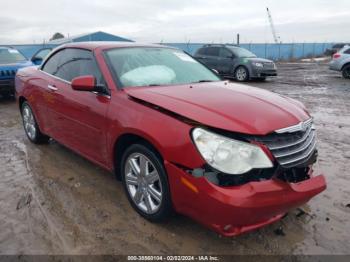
(109, 44)
(95, 36)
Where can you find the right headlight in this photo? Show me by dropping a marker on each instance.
(228, 155)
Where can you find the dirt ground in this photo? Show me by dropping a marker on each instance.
(54, 202)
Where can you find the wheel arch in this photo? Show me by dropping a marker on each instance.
(125, 140)
(346, 64)
(21, 100)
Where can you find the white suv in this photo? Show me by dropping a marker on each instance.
(341, 61)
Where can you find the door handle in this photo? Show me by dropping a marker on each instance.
(52, 87)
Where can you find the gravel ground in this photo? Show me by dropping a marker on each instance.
(52, 201)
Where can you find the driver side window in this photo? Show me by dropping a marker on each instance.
(72, 62)
(51, 66)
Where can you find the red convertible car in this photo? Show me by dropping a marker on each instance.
(230, 156)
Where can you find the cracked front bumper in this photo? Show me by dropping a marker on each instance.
(234, 210)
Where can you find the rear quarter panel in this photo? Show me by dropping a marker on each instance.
(27, 89)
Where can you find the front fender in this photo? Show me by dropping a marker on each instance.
(170, 136)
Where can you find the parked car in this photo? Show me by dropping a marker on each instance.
(334, 49)
(10, 61)
(235, 62)
(40, 55)
(231, 157)
(341, 61)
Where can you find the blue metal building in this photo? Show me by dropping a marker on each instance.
(30, 49)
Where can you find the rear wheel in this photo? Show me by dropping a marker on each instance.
(346, 71)
(242, 74)
(145, 183)
(31, 126)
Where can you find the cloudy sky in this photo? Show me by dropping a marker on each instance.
(177, 20)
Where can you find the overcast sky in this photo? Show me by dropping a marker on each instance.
(176, 20)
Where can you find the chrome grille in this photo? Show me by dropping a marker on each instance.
(293, 146)
(269, 65)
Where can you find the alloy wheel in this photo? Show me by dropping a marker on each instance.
(143, 183)
(241, 74)
(29, 122)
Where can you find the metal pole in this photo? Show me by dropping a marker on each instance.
(279, 51)
(238, 39)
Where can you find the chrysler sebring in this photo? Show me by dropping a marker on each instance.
(230, 156)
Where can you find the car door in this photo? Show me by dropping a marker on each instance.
(209, 56)
(43, 93)
(79, 118)
(225, 62)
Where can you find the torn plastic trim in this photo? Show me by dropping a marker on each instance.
(289, 175)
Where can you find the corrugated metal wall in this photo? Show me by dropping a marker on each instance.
(270, 51)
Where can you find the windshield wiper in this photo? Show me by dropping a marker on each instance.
(202, 81)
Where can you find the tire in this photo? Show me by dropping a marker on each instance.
(346, 71)
(148, 194)
(241, 74)
(31, 127)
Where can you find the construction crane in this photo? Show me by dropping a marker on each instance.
(276, 38)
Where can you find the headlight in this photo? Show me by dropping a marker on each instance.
(227, 155)
(257, 64)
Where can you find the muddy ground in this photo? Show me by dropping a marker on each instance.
(54, 202)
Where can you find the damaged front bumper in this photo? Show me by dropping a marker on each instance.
(237, 209)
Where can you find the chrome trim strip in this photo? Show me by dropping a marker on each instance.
(302, 157)
(297, 150)
(96, 93)
(55, 76)
(302, 126)
(302, 139)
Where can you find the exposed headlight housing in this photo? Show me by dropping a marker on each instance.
(228, 155)
(258, 64)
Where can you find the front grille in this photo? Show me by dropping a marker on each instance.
(292, 147)
(269, 65)
(7, 73)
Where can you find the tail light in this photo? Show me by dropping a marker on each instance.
(335, 56)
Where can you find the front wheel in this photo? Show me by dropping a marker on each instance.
(145, 183)
(31, 126)
(242, 74)
(346, 71)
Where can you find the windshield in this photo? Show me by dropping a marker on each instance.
(241, 52)
(9, 56)
(150, 66)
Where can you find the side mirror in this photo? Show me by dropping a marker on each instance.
(37, 60)
(84, 83)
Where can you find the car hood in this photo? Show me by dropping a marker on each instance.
(13, 66)
(233, 107)
(257, 59)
